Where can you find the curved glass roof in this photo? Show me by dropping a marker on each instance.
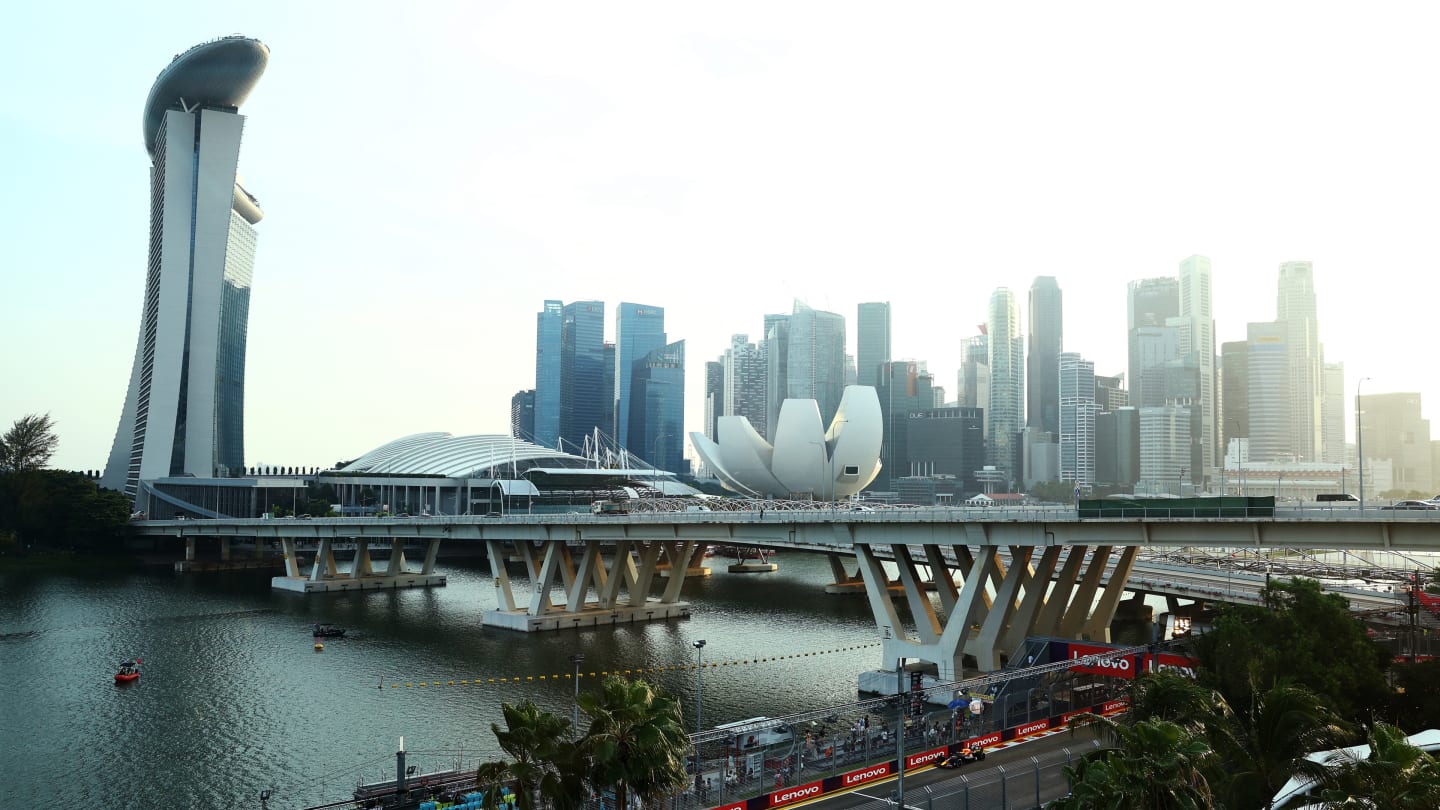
(218, 73)
(441, 454)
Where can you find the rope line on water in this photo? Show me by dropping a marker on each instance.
(569, 676)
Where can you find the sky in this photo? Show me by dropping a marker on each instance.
(432, 172)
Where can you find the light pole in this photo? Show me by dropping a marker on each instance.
(1360, 443)
(900, 732)
(577, 659)
(699, 645)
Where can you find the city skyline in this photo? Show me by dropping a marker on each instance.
(772, 170)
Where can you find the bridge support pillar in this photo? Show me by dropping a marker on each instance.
(1002, 599)
(326, 577)
(225, 549)
(591, 593)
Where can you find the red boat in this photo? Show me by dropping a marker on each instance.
(129, 671)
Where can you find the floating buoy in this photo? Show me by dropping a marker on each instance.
(319, 646)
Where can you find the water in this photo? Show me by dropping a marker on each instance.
(233, 698)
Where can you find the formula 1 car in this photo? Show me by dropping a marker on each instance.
(964, 757)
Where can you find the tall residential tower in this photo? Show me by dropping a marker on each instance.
(184, 411)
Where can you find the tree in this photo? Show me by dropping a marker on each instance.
(1269, 741)
(1396, 774)
(29, 444)
(1302, 635)
(545, 763)
(1153, 765)
(636, 741)
(1054, 492)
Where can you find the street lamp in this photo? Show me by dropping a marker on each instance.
(1360, 443)
(699, 646)
(577, 659)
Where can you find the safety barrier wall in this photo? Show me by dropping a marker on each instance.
(880, 771)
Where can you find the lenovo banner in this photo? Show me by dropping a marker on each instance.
(1182, 665)
(926, 757)
(1121, 666)
(1032, 728)
(988, 740)
(864, 775)
(1110, 707)
(785, 796)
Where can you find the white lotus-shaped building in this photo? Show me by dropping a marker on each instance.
(806, 460)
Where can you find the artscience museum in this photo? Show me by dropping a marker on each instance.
(806, 460)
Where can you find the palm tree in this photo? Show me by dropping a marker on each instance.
(636, 742)
(1154, 765)
(1396, 774)
(544, 760)
(1267, 744)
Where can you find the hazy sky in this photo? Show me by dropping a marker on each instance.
(431, 172)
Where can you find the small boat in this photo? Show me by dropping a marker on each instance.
(129, 671)
(326, 631)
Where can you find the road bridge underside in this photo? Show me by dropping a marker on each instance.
(996, 605)
(325, 574)
(593, 590)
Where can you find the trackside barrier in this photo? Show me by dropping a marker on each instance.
(1024, 784)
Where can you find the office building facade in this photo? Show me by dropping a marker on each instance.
(657, 407)
(872, 336)
(1199, 348)
(522, 415)
(639, 330)
(1078, 411)
(1295, 308)
(1267, 363)
(1043, 361)
(1150, 303)
(548, 326)
(1007, 382)
(745, 381)
(584, 394)
(183, 413)
(816, 368)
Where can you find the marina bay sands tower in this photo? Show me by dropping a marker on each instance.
(184, 412)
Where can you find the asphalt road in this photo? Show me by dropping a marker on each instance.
(1006, 779)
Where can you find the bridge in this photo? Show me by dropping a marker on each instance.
(1023, 572)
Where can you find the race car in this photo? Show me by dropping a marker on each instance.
(964, 757)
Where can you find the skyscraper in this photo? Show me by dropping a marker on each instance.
(816, 368)
(777, 369)
(522, 415)
(1007, 382)
(1235, 377)
(184, 408)
(1198, 344)
(1078, 411)
(1151, 302)
(639, 330)
(872, 333)
(1268, 370)
(549, 323)
(1295, 308)
(745, 370)
(1332, 414)
(657, 406)
(904, 388)
(1043, 362)
(714, 397)
(1395, 431)
(583, 392)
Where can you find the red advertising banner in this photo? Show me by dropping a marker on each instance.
(992, 739)
(734, 806)
(926, 757)
(785, 796)
(1110, 707)
(1068, 716)
(1032, 728)
(864, 775)
(1182, 665)
(1120, 666)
